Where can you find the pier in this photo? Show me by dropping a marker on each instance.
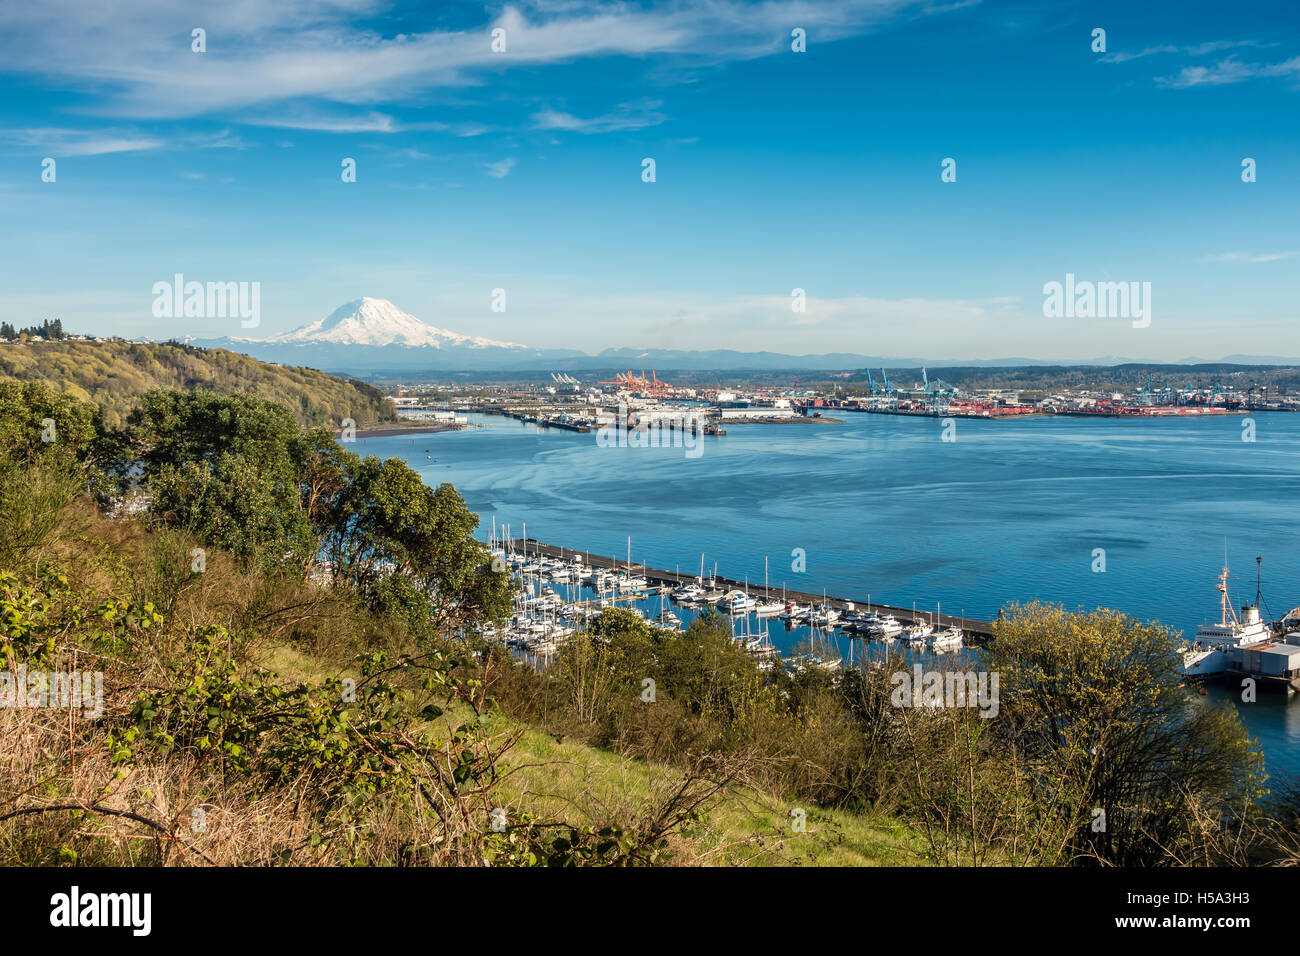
(547, 422)
(977, 631)
(583, 425)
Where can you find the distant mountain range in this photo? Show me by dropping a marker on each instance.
(371, 336)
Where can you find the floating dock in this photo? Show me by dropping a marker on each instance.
(979, 631)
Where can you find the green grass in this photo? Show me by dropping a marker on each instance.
(568, 781)
(571, 781)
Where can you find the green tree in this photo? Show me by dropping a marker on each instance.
(39, 424)
(51, 451)
(383, 519)
(172, 427)
(226, 468)
(1094, 707)
(240, 473)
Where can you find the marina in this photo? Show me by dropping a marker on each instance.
(1010, 512)
(558, 592)
(773, 600)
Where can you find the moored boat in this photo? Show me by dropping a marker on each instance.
(1218, 646)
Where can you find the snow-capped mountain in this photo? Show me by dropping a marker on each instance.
(369, 334)
(368, 321)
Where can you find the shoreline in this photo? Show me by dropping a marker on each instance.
(424, 428)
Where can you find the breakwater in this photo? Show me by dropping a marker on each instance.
(977, 630)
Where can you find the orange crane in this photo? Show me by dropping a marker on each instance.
(640, 383)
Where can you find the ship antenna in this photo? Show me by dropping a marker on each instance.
(1259, 590)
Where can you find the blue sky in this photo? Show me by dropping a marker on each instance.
(775, 170)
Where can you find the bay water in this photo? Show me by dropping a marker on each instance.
(1131, 514)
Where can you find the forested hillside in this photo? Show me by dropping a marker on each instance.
(113, 374)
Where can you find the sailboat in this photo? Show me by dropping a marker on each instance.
(825, 615)
(767, 607)
(712, 593)
(945, 638)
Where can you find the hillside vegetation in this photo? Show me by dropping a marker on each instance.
(114, 374)
(288, 673)
(255, 714)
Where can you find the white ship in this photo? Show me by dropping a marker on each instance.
(736, 602)
(885, 628)
(916, 634)
(948, 639)
(1212, 650)
(687, 594)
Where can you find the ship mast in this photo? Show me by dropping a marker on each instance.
(1223, 600)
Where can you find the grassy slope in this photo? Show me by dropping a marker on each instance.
(114, 374)
(569, 781)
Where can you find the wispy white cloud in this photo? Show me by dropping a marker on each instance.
(58, 141)
(408, 153)
(628, 116)
(137, 58)
(371, 121)
(224, 139)
(501, 168)
(1229, 71)
(1195, 49)
(72, 142)
(1249, 257)
(1226, 71)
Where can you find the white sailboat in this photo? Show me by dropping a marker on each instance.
(767, 607)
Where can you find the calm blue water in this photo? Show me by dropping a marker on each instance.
(1010, 511)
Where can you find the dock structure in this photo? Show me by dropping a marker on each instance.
(978, 630)
(709, 427)
(547, 422)
(1273, 665)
